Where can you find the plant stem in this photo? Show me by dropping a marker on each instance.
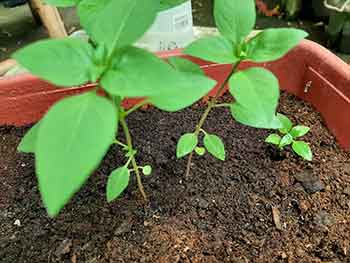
(204, 117)
(136, 107)
(133, 160)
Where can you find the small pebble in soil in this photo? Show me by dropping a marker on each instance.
(64, 248)
(17, 222)
(347, 191)
(323, 218)
(311, 183)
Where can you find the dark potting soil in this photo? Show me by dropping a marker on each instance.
(252, 208)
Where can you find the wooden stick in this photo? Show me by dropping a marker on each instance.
(51, 19)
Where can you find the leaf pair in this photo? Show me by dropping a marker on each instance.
(235, 21)
(188, 143)
(69, 143)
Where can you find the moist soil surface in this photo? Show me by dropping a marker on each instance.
(257, 206)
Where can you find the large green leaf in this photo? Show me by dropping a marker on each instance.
(256, 92)
(64, 62)
(215, 146)
(191, 85)
(235, 19)
(117, 182)
(28, 142)
(186, 144)
(62, 3)
(73, 138)
(138, 73)
(117, 23)
(185, 65)
(216, 49)
(272, 44)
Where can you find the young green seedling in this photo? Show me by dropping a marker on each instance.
(255, 90)
(75, 134)
(289, 136)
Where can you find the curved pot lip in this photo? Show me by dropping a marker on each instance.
(310, 46)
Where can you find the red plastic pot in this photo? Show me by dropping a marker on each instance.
(309, 71)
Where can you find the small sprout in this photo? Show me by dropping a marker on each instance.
(290, 134)
(147, 170)
(200, 151)
(186, 144)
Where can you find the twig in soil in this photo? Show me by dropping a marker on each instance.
(212, 104)
(276, 214)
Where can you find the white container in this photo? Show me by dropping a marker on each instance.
(173, 28)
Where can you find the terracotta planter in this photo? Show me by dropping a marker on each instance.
(309, 71)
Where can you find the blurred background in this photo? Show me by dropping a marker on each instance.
(328, 22)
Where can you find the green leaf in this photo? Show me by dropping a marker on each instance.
(200, 151)
(302, 149)
(138, 73)
(117, 23)
(286, 140)
(28, 142)
(117, 182)
(286, 123)
(273, 139)
(235, 19)
(188, 88)
(186, 144)
(272, 44)
(216, 49)
(215, 146)
(62, 3)
(147, 170)
(184, 65)
(64, 62)
(73, 138)
(256, 92)
(299, 131)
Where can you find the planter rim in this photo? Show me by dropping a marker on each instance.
(309, 71)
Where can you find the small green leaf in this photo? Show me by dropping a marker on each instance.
(286, 140)
(215, 146)
(216, 49)
(73, 138)
(273, 139)
(186, 144)
(62, 3)
(200, 151)
(138, 73)
(299, 131)
(256, 93)
(272, 44)
(147, 170)
(118, 23)
(302, 149)
(117, 182)
(64, 62)
(286, 123)
(28, 142)
(235, 19)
